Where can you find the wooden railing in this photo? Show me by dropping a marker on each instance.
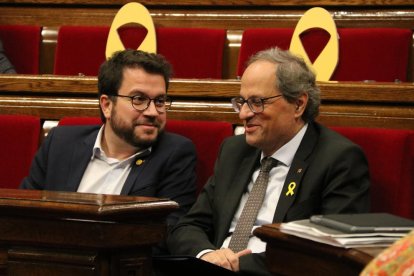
(383, 105)
(233, 15)
(220, 3)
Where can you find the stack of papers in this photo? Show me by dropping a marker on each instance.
(319, 233)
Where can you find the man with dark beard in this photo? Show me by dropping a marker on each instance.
(130, 154)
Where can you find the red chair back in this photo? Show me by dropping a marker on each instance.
(390, 154)
(80, 50)
(193, 52)
(71, 121)
(207, 137)
(19, 137)
(22, 47)
(379, 54)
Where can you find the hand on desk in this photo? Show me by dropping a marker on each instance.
(225, 258)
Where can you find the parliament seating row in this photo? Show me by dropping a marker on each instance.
(373, 54)
(193, 52)
(390, 154)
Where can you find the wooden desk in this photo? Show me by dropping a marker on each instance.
(56, 233)
(290, 255)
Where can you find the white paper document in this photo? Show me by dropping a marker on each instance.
(308, 230)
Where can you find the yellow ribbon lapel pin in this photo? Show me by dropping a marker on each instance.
(291, 189)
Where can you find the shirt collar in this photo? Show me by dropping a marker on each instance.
(286, 153)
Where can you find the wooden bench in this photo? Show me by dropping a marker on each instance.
(383, 105)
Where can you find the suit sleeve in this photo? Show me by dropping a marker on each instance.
(178, 181)
(37, 174)
(195, 231)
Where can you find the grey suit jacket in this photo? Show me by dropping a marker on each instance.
(168, 171)
(331, 176)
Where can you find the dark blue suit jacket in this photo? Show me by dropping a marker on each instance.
(168, 171)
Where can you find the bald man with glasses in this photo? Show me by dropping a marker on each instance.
(130, 154)
(313, 170)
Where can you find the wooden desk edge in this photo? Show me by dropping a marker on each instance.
(274, 237)
(81, 205)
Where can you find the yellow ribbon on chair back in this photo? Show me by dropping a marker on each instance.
(131, 13)
(327, 60)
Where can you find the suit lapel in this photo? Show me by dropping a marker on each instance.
(290, 189)
(80, 158)
(138, 165)
(236, 190)
(293, 181)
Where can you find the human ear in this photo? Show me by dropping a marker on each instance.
(301, 104)
(106, 105)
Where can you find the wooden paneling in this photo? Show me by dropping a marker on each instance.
(386, 105)
(246, 3)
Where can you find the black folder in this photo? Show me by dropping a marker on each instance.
(365, 222)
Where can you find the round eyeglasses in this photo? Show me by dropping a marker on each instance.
(256, 104)
(141, 102)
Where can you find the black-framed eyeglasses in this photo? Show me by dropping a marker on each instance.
(256, 104)
(141, 102)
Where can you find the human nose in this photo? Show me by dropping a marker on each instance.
(151, 110)
(245, 111)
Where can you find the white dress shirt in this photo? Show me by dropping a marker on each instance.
(105, 175)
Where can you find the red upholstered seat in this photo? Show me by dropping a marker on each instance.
(193, 52)
(71, 121)
(379, 54)
(19, 138)
(80, 50)
(206, 136)
(22, 46)
(390, 154)
(255, 40)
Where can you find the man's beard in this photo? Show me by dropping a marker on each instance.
(128, 133)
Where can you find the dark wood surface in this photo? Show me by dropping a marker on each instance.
(59, 233)
(245, 3)
(384, 105)
(290, 255)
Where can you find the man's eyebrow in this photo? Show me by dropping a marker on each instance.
(134, 93)
(137, 92)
